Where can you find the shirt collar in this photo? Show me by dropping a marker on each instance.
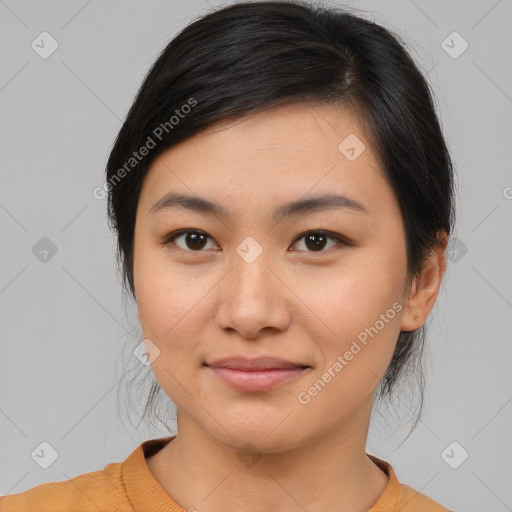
(389, 498)
(143, 490)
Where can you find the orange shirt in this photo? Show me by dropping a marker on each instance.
(130, 486)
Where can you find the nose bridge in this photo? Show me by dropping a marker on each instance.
(251, 277)
(250, 298)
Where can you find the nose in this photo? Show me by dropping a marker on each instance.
(252, 299)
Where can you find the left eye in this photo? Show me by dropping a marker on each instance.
(318, 240)
(194, 240)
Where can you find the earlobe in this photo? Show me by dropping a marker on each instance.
(425, 289)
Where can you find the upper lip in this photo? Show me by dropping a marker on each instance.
(252, 364)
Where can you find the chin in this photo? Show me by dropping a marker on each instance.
(263, 436)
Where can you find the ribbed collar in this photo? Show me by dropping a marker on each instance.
(390, 497)
(145, 493)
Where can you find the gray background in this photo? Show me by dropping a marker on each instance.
(66, 332)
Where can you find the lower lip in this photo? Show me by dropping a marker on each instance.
(260, 380)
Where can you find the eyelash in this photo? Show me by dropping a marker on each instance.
(329, 234)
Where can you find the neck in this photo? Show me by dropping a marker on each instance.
(329, 472)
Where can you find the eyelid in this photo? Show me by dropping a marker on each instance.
(330, 234)
(168, 239)
(341, 240)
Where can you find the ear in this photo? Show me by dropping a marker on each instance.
(425, 289)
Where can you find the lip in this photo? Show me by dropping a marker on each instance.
(253, 364)
(260, 374)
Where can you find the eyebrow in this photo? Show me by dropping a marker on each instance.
(302, 206)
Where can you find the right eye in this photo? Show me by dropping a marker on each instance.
(191, 240)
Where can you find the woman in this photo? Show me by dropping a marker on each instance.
(282, 196)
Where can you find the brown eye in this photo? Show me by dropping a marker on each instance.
(316, 241)
(194, 241)
(188, 240)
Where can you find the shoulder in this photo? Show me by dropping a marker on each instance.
(399, 496)
(412, 500)
(97, 490)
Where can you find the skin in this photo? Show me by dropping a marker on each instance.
(199, 304)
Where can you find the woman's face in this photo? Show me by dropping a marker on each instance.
(266, 280)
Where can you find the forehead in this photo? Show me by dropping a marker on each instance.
(272, 157)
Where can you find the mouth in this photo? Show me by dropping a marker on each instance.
(253, 375)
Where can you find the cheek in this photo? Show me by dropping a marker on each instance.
(169, 307)
(171, 302)
(361, 306)
(362, 314)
